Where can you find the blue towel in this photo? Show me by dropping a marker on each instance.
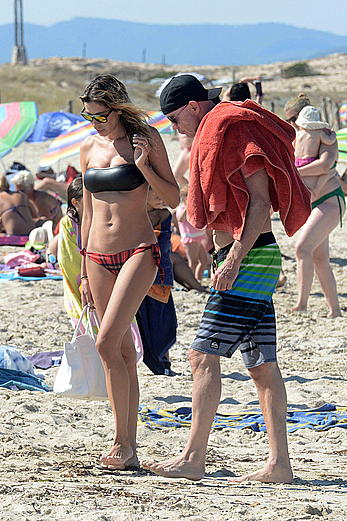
(320, 419)
(17, 381)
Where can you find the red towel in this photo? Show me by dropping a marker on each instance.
(236, 135)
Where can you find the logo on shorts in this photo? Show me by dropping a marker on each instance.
(214, 344)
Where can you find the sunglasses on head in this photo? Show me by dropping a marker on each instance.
(173, 119)
(292, 119)
(100, 118)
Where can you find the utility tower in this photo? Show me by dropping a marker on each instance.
(19, 55)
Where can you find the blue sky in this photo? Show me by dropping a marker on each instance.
(323, 15)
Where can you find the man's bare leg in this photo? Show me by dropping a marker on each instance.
(190, 464)
(273, 403)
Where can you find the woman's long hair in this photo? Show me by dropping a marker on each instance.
(74, 191)
(296, 104)
(109, 91)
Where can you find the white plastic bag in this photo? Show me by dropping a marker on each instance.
(81, 374)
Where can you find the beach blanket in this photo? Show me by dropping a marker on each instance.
(69, 259)
(13, 240)
(237, 136)
(17, 381)
(46, 359)
(321, 419)
(13, 275)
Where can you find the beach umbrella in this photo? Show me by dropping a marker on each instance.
(67, 144)
(17, 121)
(341, 136)
(343, 114)
(52, 124)
(160, 122)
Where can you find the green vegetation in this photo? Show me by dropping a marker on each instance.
(56, 87)
(298, 69)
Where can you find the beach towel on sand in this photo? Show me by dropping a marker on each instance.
(321, 419)
(13, 275)
(236, 135)
(69, 259)
(17, 381)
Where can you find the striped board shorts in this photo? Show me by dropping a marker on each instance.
(244, 317)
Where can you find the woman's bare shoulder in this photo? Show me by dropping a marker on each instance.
(89, 142)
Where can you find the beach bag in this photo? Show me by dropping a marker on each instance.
(81, 374)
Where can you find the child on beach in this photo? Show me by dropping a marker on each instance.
(311, 134)
(69, 244)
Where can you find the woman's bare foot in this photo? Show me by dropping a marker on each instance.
(281, 281)
(299, 309)
(179, 467)
(268, 474)
(119, 458)
(334, 313)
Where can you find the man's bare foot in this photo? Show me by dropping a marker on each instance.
(268, 474)
(178, 467)
(119, 458)
(299, 309)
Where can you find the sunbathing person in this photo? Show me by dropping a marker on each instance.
(41, 203)
(15, 214)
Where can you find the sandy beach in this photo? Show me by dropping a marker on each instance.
(50, 446)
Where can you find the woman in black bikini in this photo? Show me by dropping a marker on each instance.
(328, 207)
(120, 252)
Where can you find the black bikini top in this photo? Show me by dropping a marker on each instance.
(113, 179)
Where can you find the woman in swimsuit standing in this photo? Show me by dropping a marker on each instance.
(120, 251)
(328, 207)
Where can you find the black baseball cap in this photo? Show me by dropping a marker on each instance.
(183, 89)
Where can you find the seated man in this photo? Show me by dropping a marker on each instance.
(41, 203)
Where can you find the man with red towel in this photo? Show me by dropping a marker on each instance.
(242, 165)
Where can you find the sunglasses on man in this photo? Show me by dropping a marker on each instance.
(99, 118)
(173, 119)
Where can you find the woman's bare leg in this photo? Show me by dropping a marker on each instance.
(326, 278)
(204, 262)
(192, 249)
(116, 311)
(316, 230)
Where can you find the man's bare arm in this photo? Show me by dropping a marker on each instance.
(257, 221)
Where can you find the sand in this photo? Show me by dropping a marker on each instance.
(50, 445)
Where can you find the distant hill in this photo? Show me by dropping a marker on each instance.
(173, 44)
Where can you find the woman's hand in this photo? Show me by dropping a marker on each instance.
(86, 294)
(142, 149)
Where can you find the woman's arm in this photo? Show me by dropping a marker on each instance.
(85, 226)
(322, 165)
(154, 163)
